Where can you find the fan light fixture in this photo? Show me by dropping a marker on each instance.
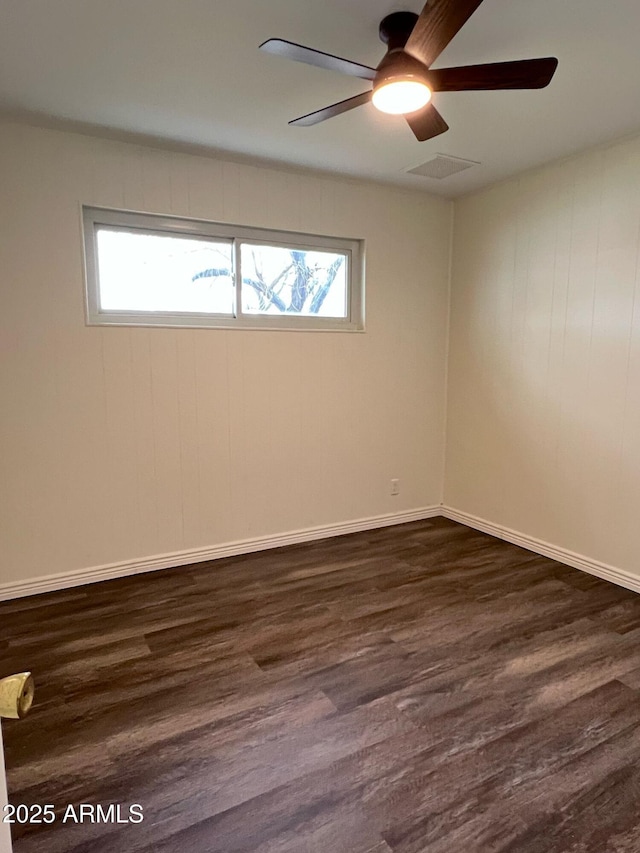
(400, 95)
(405, 78)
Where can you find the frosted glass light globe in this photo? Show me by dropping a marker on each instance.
(401, 96)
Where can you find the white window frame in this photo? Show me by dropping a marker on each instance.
(353, 249)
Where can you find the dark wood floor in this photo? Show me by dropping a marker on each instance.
(417, 688)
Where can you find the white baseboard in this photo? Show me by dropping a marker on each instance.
(546, 549)
(78, 577)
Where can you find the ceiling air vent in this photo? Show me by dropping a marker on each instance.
(442, 166)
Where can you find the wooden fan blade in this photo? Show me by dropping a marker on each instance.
(522, 74)
(438, 23)
(426, 123)
(300, 53)
(333, 110)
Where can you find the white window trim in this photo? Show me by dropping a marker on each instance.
(235, 234)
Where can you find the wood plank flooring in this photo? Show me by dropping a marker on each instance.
(418, 688)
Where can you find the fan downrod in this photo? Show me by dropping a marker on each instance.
(396, 28)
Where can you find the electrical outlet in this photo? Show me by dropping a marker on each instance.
(395, 487)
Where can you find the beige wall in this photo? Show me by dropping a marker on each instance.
(121, 443)
(543, 432)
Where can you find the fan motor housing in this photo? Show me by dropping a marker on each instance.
(397, 63)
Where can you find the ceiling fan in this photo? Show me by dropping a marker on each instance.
(404, 81)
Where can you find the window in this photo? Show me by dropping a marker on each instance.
(147, 270)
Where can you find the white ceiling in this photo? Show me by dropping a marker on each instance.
(190, 71)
